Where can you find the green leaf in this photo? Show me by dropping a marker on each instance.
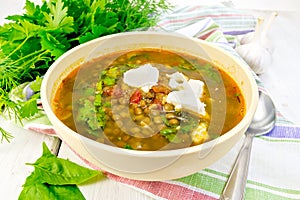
(30, 46)
(101, 116)
(32, 179)
(127, 146)
(87, 114)
(113, 72)
(173, 138)
(36, 85)
(99, 4)
(86, 37)
(36, 191)
(51, 192)
(29, 28)
(34, 13)
(210, 72)
(55, 178)
(70, 192)
(46, 151)
(24, 28)
(21, 48)
(58, 171)
(14, 18)
(109, 81)
(167, 131)
(30, 8)
(29, 108)
(8, 33)
(50, 43)
(58, 17)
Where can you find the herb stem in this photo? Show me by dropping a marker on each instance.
(5, 135)
(18, 48)
(28, 56)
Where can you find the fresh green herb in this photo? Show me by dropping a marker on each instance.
(170, 134)
(31, 42)
(29, 108)
(210, 72)
(139, 56)
(165, 120)
(5, 135)
(112, 72)
(190, 123)
(86, 113)
(108, 77)
(55, 178)
(109, 81)
(185, 67)
(187, 124)
(173, 138)
(237, 95)
(100, 112)
(127, 146)
(101, 116)
(107, 104)
(36, 85)
(167, 131)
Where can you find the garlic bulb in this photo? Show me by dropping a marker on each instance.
(255, 47)
(257, 57)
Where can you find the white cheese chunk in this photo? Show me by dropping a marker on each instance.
(143, 77)
(188, 93)
(197, 87)
(176, 81)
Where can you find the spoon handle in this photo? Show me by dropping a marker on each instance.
(236, 183)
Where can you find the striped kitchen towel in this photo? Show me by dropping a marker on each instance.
(274, 165)
(218, 23)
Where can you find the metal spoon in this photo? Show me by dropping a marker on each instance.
(262, 123)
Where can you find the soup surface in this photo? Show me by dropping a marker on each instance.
(149, 99)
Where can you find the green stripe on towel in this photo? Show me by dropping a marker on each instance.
(204, 182)
(216, 185)
(216, 172)
(283, 190)
(269, 139)
(255, 194)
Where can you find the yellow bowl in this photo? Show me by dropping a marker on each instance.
(150, 165)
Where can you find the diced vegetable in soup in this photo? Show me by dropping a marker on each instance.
(149, 99)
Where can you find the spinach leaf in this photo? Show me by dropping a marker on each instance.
(55, 178)
(49, 192)
(58, 171)
(33, 189)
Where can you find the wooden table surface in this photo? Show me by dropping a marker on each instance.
(281, 79)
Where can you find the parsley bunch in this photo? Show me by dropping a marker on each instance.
(31, 42)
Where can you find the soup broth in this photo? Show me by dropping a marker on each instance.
(183, 101)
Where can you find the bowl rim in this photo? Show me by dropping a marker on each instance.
(159, 153)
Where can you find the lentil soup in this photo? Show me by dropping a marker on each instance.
(149, 99)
